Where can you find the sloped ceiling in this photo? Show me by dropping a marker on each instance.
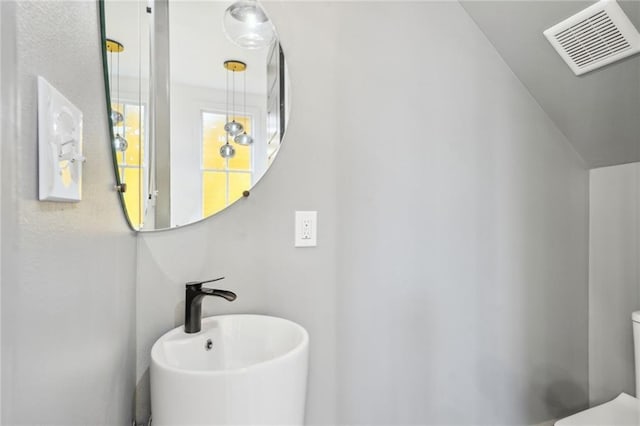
(598, 112)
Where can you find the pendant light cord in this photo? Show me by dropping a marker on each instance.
(118, 80)
(245, 101)
(111, 79)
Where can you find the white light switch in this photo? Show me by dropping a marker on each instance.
(306, 229)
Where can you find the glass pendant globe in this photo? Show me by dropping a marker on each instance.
(246, 24)
(233, 128)
(227, 151)
(243, 139)
(116, 117)
(120, 143)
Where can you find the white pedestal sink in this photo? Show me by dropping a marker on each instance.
(238, 370)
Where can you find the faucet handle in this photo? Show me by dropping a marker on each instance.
(198, 284)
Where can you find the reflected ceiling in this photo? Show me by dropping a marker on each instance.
(208, 50)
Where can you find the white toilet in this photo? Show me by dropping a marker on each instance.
(624, 409)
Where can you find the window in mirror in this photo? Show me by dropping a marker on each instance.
(131, 162)
(223, 179)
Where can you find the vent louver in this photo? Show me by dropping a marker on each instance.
(595, 37)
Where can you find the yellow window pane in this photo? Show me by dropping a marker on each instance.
(133, 134)
(120, 158)
(132, 196)
(238, 183)
(214, 192)
(242, 159)
(213, 137)
(132, 129)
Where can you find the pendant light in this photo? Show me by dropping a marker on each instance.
(227, 151)
(243, 138)
(246, 24)
(233, 128)
(116, 116)
(120, 143)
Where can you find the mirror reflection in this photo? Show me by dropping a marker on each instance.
(197, 103)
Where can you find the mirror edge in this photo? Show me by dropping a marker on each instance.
(107, 89)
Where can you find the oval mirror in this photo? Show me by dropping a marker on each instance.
(197, 105)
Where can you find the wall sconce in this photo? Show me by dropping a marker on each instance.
(59, 146)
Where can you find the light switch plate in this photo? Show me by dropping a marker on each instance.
(59, 146)
(306, 229)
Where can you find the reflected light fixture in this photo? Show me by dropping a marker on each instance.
(233, 128)
(120, 144)
(243, 138)
(227, 151)
(116, 116)
(246, 24)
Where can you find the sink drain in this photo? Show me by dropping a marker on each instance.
(209, 345)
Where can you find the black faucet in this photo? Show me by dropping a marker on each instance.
(193, 303)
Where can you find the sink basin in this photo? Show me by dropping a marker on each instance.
(239, 369)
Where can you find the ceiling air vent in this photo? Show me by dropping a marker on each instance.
(597, 36)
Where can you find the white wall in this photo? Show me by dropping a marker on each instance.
(449, 285)
(614, 279)
(462, 240)
(4, 124)
(68, 270)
